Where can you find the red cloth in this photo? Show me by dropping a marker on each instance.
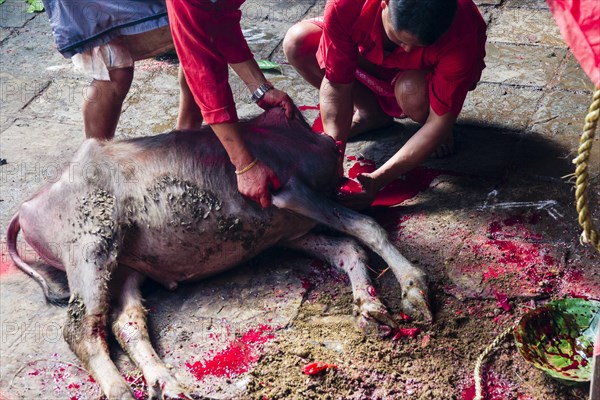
(579, 23)
(207, 37)
(354, 27)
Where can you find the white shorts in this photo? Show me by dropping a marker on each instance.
(122, 52)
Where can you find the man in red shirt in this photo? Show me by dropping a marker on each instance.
(208, 37)
(378, 59)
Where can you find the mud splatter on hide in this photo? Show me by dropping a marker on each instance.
(75, 316)
(231, 228)
(187, 204)
(96, 213)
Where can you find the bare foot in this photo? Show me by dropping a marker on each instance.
(446, 148)
(364, 123)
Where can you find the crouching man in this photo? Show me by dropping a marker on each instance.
(375, 60)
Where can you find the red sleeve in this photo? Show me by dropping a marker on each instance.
(337, 53)
(459, 60)
(207, 36)
(457, 72)
(228, 36)
(578, 22)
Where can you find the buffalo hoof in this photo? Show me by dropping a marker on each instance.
(373, 318)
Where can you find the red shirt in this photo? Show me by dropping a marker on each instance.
(208, 37)
(353, 28)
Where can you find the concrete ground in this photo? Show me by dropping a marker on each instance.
(494, 225)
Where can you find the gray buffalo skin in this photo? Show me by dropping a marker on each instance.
(167, 207)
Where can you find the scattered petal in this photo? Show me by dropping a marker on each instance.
(407, 332)
(317, 367)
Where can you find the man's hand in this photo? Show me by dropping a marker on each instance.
(363, 199)
(257, 183)
(254, 178)
(277, 98)
(253, 77)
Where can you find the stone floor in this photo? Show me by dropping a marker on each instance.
(495, 219)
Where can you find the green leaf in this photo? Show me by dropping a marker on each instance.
(266, 64)
(2, 1)
(558, 337)
(34, 6)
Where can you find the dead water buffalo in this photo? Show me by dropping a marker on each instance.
(167, 207)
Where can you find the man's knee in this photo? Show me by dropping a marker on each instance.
(120, 82)
(301, 42)
(411, 91)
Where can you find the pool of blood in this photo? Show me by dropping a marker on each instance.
(396, 192)
(236, 358)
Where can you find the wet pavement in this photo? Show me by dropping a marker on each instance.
(494, 220)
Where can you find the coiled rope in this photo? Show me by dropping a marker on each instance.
(484, 354)
(589, 234)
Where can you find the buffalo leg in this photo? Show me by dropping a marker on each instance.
(347, 255)
(296, 197)
(130, 329)
(85, 329)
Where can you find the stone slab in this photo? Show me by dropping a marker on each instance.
(520, 65)
(561, 113)
(28, 63)
(60, 101)
(570, 144)
(36, 151)
(415, 231)
(36, 361)
(480, 152)
(534, 4)
(547, 200)
(154, 87)
(198, 321)
(264, 38)
(291, 82)
(32, 49)
(4, 33)
(13, 14)
(488, 2)
(526, 26)
(316, 10)
(287, 11)
(16, 92)
(500, 105)
(546, 157)
(572, 77)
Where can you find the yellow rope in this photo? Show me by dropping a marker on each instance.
(589, 234)
(484, 354)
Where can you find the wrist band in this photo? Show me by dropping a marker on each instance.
(247, 167)
(260, 92)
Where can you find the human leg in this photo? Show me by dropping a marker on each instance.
(411, 92)
(300, 47)
(368, 114)
(190, 116)
(103, 102)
